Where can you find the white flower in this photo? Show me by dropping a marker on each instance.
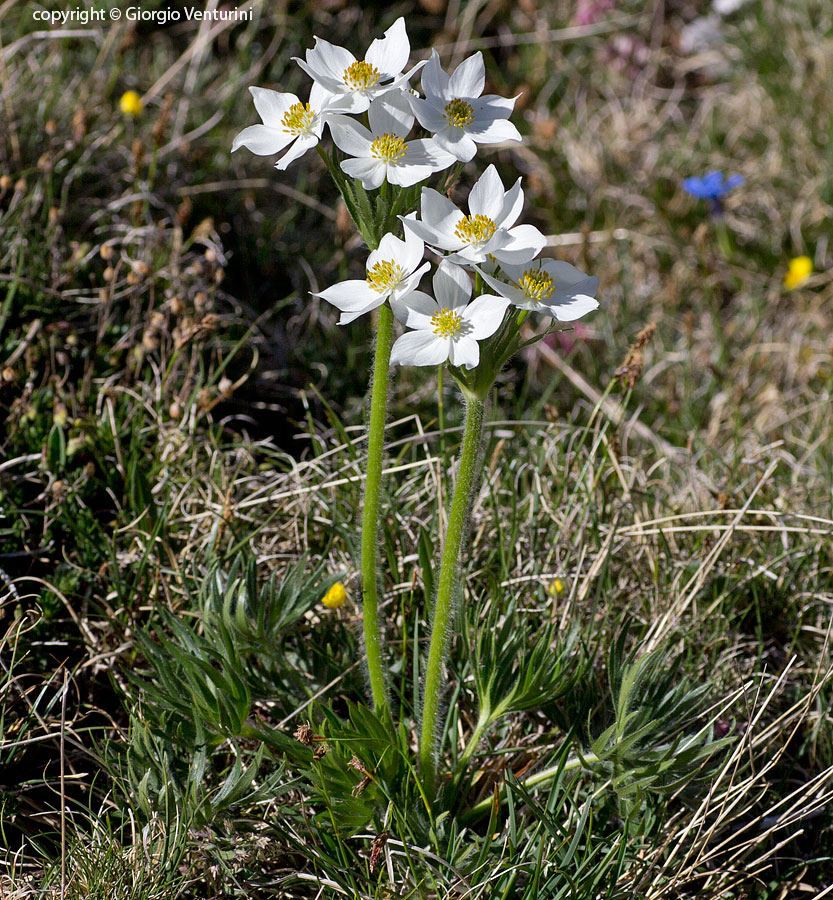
(487, 229)
(455, 113)
(287, 120)
(360, 81)
(393, 272)
(549, 286)
(382, 154)
(448, 328)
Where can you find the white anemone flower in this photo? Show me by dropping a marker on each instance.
(549, 286)
(487, 231)
(393, 273)
(447, 328)
(381, 153)
(455, 113)
(287, 121)
(360, 81)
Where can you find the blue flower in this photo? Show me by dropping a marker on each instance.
(712, 185)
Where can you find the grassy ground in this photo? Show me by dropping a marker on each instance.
(182, 455)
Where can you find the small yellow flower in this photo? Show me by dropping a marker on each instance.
(335, 596)
(130, 103)
(801, 268)
(556, 587)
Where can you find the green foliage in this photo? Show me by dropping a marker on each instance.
(518, 666)
(192, 789)
(659, 741)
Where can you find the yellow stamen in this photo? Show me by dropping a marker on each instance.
(459, 113)
(298, 118)
(384, 275)
(537, 284)
(359, 76)
(388, 147)
(446, 322)
(472, 229)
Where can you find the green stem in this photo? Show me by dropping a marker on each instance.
(533, 780)
(458, 519)
(370, 510)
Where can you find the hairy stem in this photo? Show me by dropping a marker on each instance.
(370, 510)
(458, 519)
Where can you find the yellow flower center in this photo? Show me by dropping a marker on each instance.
(359, 76)
(472, 229)
(537, 285)
(298, 118)
(384, 275)
(459, 113)
(446, 322)
(388, 147)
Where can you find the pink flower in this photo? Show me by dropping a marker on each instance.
(588, 12)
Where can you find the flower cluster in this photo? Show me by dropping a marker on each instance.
(482, 246)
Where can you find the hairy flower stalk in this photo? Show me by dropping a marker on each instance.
(370, 511)
(458, 521)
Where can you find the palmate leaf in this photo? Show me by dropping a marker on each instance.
(515, 670)
(164, 781)
(258, 614)
(198, 679)
(383, 754)
(657, 742)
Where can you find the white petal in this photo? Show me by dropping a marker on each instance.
(371, 172)
(425, 151)
(262, 140)
(406, 174)
(565, 276)
(420, 348)
(350, 295)
(499, 107)
(484, 314)
(416, 309)
(391, 248)
(428, 114)
(572, 309)
(399, 100)
(526, 242)
(321, 99)
(434, 80)
(513, 202)
(404, 288)
(464, 352)
(452, 286)
(336, 85)
(512, 293)
(350, 137)
(298, 149)
(271, 105)
(431, 236)
(486, 197)
(346, 317)
(411, 251)
(390, 53)
(456, 142)
(468, 78)
(327, 60)
(495, 132)
(387, 116)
